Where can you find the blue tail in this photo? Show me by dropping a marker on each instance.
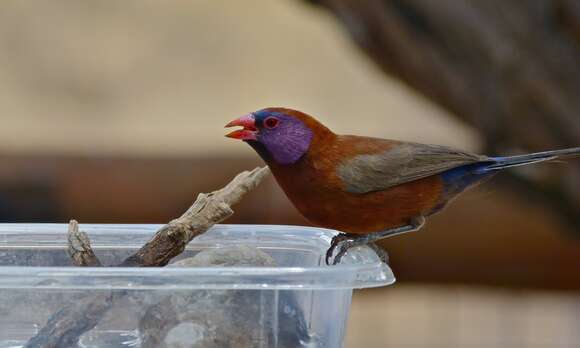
(522, 160)
(458, 179)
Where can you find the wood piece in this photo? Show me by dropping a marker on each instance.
(207, 210)
(79, 247)
(65, 327)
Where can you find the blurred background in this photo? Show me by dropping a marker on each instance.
(113, 111)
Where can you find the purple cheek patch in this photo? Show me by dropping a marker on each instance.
(288, 142)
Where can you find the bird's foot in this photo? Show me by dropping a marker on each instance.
(345, 241)
(342, 242)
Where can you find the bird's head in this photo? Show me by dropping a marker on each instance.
(278, 134)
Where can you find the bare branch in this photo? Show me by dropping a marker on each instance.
(208, 209)
(65, 327)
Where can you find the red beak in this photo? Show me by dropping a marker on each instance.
(249, 132)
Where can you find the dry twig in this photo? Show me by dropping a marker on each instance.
(65, 327)
(208, 209)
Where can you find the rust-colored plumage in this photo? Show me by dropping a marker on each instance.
(315, 189)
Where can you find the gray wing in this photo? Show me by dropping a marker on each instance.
(401, 164)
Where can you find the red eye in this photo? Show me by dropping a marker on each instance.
(271, 122)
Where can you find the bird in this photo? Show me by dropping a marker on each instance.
(364, 187)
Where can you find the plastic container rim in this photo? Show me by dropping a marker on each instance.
(344, 276)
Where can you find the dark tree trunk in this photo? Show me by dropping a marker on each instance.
(510, 68)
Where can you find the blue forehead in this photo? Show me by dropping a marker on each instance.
(265, 113)
(262, 114)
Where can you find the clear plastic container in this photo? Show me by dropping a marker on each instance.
(290, 300)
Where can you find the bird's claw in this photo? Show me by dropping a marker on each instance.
(343, 242)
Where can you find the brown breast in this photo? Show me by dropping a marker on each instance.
(318, 193)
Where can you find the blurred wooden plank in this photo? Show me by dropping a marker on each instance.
(486, 237)
(162, 79)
